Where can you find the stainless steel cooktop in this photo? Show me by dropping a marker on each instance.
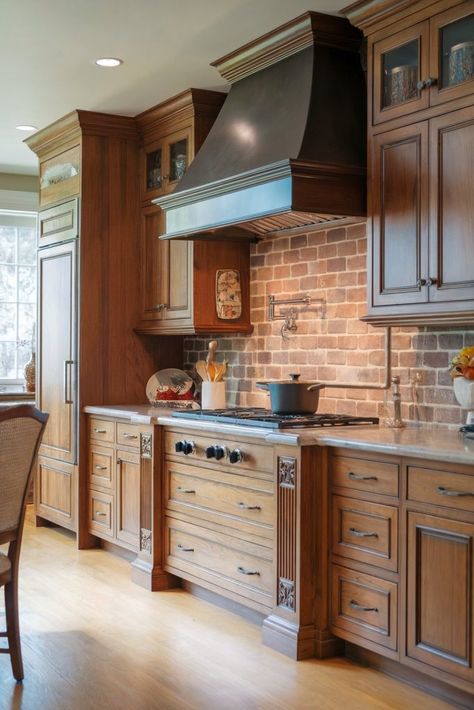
(257, 417)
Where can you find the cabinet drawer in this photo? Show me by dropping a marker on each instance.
(365, 606)
(365, 475)
(102, 430)
(128, 435)
(101, 514)
(221, 559)
(365, 531)
(453, 490)
(253, 504)
(254, 456)
(100, 467)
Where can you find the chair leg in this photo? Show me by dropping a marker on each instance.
(13, 628)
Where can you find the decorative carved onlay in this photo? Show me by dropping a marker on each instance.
(145, 445)
(286, 594)
(145, 540)
(286, 472)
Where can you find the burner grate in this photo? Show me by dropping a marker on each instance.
(264, 418)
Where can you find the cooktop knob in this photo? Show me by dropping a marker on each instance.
(236, 456)
(220, 452)
(211, 452)
(185, 447)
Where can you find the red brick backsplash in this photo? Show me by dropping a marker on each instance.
(331, 344)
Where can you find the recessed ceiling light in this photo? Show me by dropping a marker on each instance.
(26, 127)
(108, 62)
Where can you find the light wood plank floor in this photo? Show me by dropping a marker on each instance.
(93, 640)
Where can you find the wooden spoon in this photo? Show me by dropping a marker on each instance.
(220, 370)
(201, 369)
(210, 365)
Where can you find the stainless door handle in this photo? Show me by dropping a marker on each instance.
(67, 382)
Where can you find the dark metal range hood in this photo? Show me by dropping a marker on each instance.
(288, 147)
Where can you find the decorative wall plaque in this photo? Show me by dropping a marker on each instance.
(228, 294)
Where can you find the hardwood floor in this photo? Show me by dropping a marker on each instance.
(92, 639)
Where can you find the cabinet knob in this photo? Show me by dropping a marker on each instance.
(161, 306)
(432, 282)
(426, 83)
(421, 282)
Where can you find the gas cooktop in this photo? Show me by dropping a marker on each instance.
(264, 418)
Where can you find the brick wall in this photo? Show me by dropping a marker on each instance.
(331, 344)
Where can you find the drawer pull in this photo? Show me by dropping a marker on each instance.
(100, 431)
(361, 533)
(242, 570)
(359, 607)
(185, 490)
(100, 514)
(244, 506)
(129, 436)
(453, 494)
(183, 548)
(358, 477)
(100, 468)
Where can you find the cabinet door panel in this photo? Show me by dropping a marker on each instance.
(153, 258)
(400, 215)
(440, 593)
(128, 498)
(452, 206)
(55, 492)
(180, 264)
(57, 350)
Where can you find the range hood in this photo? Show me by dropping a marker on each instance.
(288, 146)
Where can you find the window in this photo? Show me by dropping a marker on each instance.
(17, 295)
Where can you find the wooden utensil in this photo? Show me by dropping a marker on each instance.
(220, 370)
(210, 365)
(201, 369)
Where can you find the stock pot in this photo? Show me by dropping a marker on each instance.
(292, 396)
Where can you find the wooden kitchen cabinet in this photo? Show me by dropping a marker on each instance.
(178, 284)
(89, 282)
(421, 161)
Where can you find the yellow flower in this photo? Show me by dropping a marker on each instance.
(461, 361)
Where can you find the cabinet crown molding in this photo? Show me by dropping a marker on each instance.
(180, 107)
(372, 15)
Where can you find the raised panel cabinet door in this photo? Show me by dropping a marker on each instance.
(400, 215)
(179, 265)
(440, 620)
(55, 492)
(128, 498)
(452, 206)
(57, 349)
(154, 277)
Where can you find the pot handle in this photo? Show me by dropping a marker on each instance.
(315, 386)
(262, 386)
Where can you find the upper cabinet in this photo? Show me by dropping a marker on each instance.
(429, 63)
(421, 160)
(183, 282)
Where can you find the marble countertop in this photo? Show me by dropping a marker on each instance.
(428, 442)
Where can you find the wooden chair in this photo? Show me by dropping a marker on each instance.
(21, 429)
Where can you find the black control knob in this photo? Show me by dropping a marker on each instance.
(235, 456)
(184, 447)
(220, 452)
(211, 452)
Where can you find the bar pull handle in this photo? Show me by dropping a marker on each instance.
(100, 514)
(100, 468)
(358, 477)
(67, 382)
(243, 570)
(453, 494)
(100, 431)
(185, 490)
(359, 607)
(244, 506)
(361, 533)
(183, 548)
(126, 435)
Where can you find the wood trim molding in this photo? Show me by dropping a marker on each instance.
(287, 533)
(181, 107)
(372, 15)
(284, 41)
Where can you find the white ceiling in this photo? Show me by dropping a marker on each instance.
(48, 48)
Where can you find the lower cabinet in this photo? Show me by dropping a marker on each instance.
(402, 569)
(114, 479)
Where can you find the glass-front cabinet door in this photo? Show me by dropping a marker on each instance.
(452, 53)
(400, 62)
(165, 163)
